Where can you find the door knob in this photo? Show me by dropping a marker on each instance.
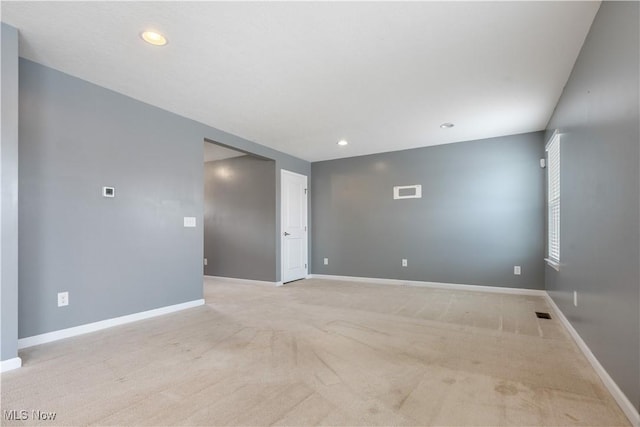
(287, 234)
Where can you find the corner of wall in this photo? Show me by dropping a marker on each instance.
(9, 198)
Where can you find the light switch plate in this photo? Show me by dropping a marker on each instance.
(189, 221)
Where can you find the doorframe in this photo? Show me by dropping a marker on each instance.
(284, 172)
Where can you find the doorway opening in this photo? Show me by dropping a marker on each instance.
(239, 214)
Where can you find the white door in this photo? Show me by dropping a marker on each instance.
(293, 196)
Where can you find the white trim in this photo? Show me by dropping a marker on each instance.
(243, 281)
(625, 404)
(103, 324)
(437, 285)
(551, 138)
(10, 364)
(553, 199)
(553, 264)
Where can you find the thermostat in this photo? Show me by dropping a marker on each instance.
(108, 192)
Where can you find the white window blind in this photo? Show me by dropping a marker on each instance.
(553, 199)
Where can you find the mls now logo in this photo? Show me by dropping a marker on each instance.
(24, 415)
(15, 415)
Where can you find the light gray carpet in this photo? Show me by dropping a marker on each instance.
(320, 352)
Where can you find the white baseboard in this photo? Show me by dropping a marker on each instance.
(625, 404)
(10, 364)
(437, 285)
(103, 324)
(243, 281)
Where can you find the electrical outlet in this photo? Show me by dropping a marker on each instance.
(404, 262)
(326, 261)
(516, 270)
(205, 261)
(575, 298)
(63, 299)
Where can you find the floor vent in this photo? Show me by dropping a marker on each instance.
(541, 315)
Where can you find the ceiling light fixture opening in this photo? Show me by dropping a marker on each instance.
(447, 125)
(343, 142)
(154, 38)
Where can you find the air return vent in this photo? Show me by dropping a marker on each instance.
(407, 192)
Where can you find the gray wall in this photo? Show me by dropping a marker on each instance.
(283, 161)
(240, 218)
(9, 201)
(481, 213)
(598, 115)
(115, 256)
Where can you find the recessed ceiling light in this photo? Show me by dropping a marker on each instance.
(154, 38)
(447, 125)
(343, 142)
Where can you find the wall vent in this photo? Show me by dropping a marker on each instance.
(407, 192)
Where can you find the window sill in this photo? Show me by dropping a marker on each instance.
(553, 264)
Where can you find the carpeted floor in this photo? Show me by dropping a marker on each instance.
(319, 352)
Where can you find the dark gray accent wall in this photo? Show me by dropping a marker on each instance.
(598, 116)
(481, 213)
(115, 256)
(9, 188)
(240, 218)
(283, 161)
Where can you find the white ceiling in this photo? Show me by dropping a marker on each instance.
(214, 152)
(299, 76)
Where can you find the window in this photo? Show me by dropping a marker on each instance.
(553, 201)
